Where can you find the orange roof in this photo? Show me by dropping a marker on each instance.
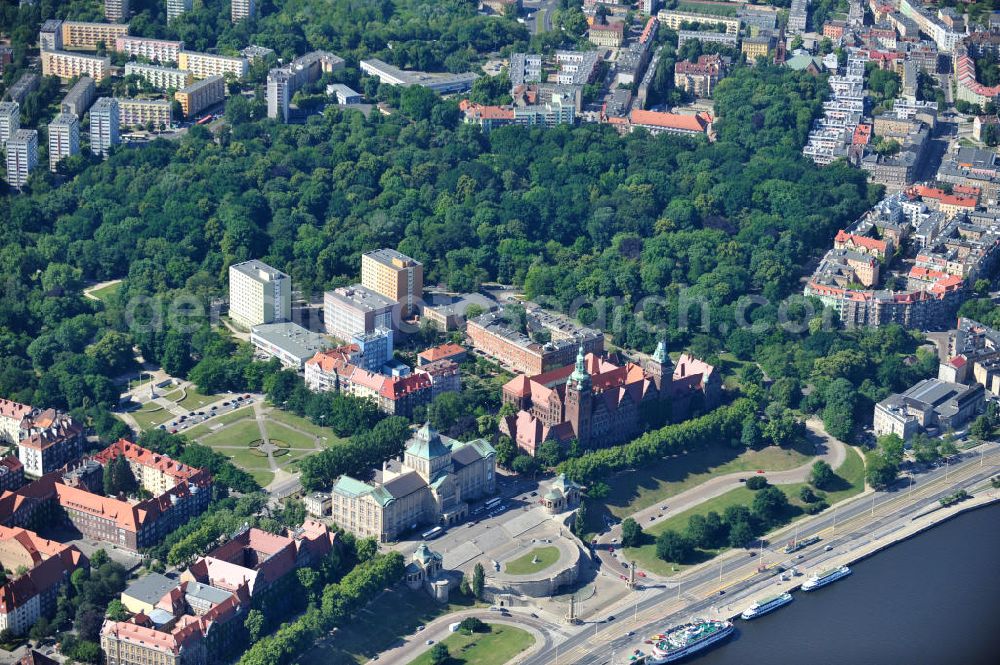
(691, 123)
(147, 458)
(440, 352)
(126, 516)
(13, 410)
(965, 201)
(613, 26)
(861, 241)
(398, 387)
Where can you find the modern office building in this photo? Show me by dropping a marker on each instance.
(282, 82)
(161, 78)
(68, 65)
(395, 276)
(258, 294)
(177, 7)
(200, 95)
(22, 157)
(241, 9)
(442, 83)
(80, 96)
(203, 65)
(64, 138)
(349, 310)
(140, 112)
(50, 35)
(289, 342)
(116, 11)
(160, 50)
(10, 121)
(345, 95)
(105, 125)
(88, 36)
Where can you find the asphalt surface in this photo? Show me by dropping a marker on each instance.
(871, 516)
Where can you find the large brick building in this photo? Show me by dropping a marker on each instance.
(599, 402)
(496, 335)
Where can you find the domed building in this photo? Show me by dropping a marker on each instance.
(562, 495)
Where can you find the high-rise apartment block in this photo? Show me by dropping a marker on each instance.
(64, 138)
(161, 78)
(177, 7)
(351, 310)
(140, 112)
(395, 276)
(161, 50)
(67, 65)
(116, 11)
(203, 65)
(22, 157)
(259, 294)
(105, 123)
(10, 121)
(50, 35)
(282, 82)
(87, 36)
(80, 96)
(201, 94)
(242, 9)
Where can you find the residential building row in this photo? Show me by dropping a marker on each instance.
(973, 356)
(557, 112)
(283, 82)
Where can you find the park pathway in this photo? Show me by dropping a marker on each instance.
(265, 445)
(829, 449)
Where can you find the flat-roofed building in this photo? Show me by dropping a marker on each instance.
(116, 11)
(177, 7)
(282, 82)
(50, 36)
(64, 138)
(442, 83)
(67, 65)
(22, 157)
(25, 85)
(350, 310)
(160, 50)
(931, 403)
(345, 95)
(203, 65)
(87, 36)
(241, 9)
(289, 342)
(258, 294)
(200, 95)
(395, 276)
(105, 126)
(161, 78)
(79, 98)
(10, 121)
(140, 112)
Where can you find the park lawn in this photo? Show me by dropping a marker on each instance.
(195, 400)
(496, 647)
(213, 424)
(380, 625)
(636, 489)
(524, 566)
(851, 472)
(239, 435)
(718, 9)
(149, 419)
(105, 293)
(325, 435)
(296, 440)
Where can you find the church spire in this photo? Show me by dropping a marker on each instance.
(580, 374)
(660, 355)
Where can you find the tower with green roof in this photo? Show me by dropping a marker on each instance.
(579, 399)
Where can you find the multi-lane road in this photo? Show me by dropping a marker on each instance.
(724, 587)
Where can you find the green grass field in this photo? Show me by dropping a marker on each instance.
(525, 565)
(496, 647)
(211, 425)
(147, 418)
(379, 626)
(297, 440)
(635, 490)
(105, 293)
(851, 472)
(325, 434)
(715, 9)
(238, 434)
(195, 400)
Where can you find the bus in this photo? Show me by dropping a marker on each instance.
(493, 503)
(204, 121)
(433, 533)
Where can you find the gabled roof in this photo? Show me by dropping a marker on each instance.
(690, 123)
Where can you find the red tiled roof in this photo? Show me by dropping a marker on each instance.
(13, 410)
(443, 351)
(691, 123)
(147, 458)
(617, 27)
(861, 241)
(398, 387)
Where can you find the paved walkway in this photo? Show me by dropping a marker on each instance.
(830, 450)
(89, 291)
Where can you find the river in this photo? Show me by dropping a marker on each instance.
(934, 600)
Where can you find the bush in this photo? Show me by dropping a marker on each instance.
(808, 495)
(816, 508)
(756, 482)
(474, 625)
